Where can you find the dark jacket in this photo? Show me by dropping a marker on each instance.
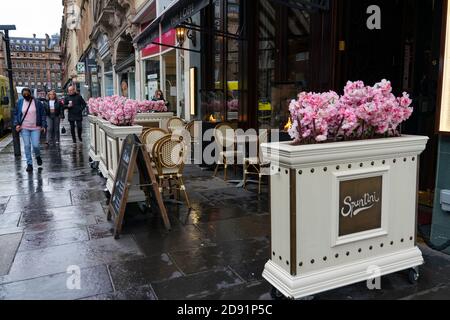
(22, 106)
(78, 105)
(59, 109)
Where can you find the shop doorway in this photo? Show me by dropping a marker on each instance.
(170, 80)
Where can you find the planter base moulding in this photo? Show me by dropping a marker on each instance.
(154, 120)
(342, 213)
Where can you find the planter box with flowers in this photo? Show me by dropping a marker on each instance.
(94, 153)
(344, 193)
(116, 116)
(153, 114)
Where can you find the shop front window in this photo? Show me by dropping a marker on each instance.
(109, 84)
(284, 61)
(132, 85)
(109, 79)
(221, 101)
(170, 92)
(152, 77)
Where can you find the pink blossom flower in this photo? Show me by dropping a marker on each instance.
(361, 112)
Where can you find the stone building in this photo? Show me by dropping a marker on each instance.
(36, 62)
(3, 64)
(98, 35)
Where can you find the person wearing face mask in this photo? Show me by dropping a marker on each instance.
(30, 120)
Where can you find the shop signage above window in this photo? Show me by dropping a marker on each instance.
(170, 19)
(360, 205)
(167, 38)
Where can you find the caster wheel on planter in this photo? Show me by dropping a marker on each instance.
(413, 276)
(276, 295)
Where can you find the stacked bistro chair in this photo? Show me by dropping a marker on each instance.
(195, 136)
(225, 138)
(174, 124)
(151, 136)
(169, 157)
(258, 165)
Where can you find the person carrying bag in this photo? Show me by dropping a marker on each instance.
(30, 124)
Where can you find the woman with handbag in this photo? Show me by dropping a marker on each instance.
(30, 120)
(55, 112)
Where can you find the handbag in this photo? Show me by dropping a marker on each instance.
(63, 130)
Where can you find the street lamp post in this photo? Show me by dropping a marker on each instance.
(15, 134)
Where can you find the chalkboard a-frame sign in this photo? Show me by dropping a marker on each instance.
(133, 153)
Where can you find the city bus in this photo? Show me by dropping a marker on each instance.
(5, 105)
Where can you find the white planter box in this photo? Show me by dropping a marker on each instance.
(114, 141)
(154, 120)
(342, 213)
(94, 152)
(102, 146)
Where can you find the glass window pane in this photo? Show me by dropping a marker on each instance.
(284, 61)
(152, 77)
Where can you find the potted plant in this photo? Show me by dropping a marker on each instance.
(344, 192)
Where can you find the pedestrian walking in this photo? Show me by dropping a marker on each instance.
(75, 104)
(55, 112)
(30, 120)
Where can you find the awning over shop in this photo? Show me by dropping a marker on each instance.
(171, 18)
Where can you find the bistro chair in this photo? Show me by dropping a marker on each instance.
(257, 165)
(195, 135)
(151, 137)
(175, 123)
(170, 155)
(225, 138)
(144, 132)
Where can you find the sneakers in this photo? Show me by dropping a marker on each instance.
(29, 168)
(39, 161)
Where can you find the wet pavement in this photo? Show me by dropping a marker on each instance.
(54, 219)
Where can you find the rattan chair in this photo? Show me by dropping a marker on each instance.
(225, 138)
(151, 137)
(175, 123)
(170, 158)
(144, 132)
(257, 165)
(194, 132)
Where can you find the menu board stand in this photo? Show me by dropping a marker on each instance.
(134, 154)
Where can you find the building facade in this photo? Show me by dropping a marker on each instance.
(3, 62)
(36, 62)
(244, 61)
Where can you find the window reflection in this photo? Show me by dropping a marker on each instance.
(284, 61)
(222, 102)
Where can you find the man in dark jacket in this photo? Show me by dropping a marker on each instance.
(75, 104)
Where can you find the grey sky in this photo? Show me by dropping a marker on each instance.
(32, 16)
